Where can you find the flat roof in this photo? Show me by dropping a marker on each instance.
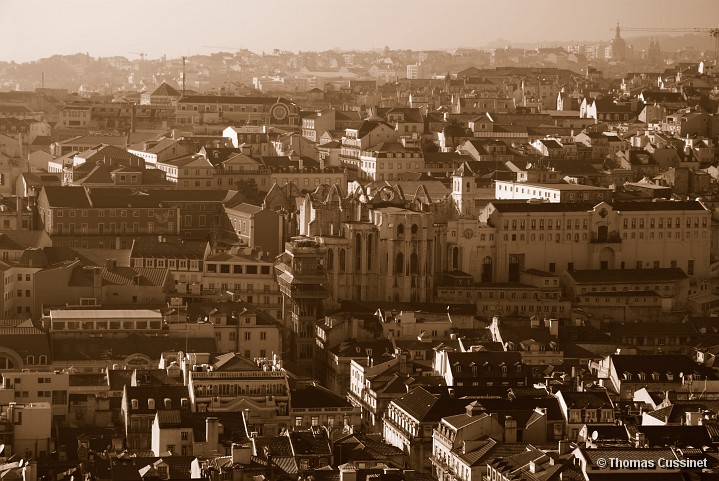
(60, 314)
(556, 186)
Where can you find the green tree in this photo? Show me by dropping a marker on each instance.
(453, 129)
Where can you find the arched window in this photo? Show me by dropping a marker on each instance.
(400, 231)
(330, 260)
(168, 403)
(43, 359)
(413, 263)
(150, 403)
(342, 260)
(414, 229)
(358, 252)
(370, 245)
(30, 360)
(399, 264)
(455, 258)
(135, 404)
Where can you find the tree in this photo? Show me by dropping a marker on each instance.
(453, 129)
(250, 193)
(428, 146)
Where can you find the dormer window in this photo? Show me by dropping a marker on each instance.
(670, 376)
(184, 402)
(168, 403)
(641, 376)
(655, 376)
(135, 404)
(150, 403)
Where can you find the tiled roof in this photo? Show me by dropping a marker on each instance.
(626, 276)
(25, 341)
(73, 197)
(531, 207)
(652, 328)
(221, 99)
(231, 362)
(121, 276)
(316, 397)
(166, 91)
(170, 418)
(233, 426)
(587, 399)
(210, 195)
(19, 240)
(170, 248)
(119, 348)
(310, 442)
(416, 403)
(279, 446)
(659, 363)
(158, 394)
(660, 205)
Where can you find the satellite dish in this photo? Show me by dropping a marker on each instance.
(595, 436)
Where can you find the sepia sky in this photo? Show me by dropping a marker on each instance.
(32, 29)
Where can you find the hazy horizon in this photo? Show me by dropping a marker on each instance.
(34, 29)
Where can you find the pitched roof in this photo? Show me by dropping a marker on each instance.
(225, 99)
(120, 348)
(661, 364)
(66, 196)
(622, 276)
(166, 91)
(314, 396)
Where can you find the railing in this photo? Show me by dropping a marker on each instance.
(610, 238)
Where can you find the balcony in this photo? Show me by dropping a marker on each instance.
(441, 464)
(608, 238)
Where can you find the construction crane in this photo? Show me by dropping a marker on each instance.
(713, 32)
(141, 54)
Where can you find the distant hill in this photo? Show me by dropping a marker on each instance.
(667, 42)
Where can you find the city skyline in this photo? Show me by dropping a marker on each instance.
(82, 26)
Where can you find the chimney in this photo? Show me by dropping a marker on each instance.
(534, 467)
(347, 473)
(564, 447)
(241, 453)
(554, 327)
(510, 430)
(212, 432)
